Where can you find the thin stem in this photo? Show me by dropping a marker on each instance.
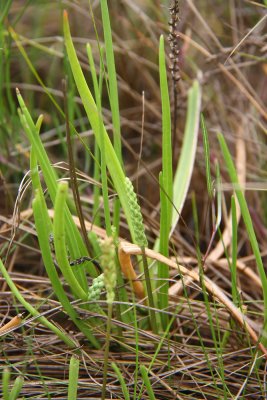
(149, 293)
(105, 371)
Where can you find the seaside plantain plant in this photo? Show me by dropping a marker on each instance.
(67, 238)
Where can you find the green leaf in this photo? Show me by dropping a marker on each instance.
(112, 79)
(90, 107)
(187, 158)
(73, 377)
(166, 185)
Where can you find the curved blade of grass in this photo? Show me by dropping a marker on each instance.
(249, 227)
(125, 391)
(16, 389)
(60, 242)
(32, 310)
(147, 383)
(235, 293)
(5, 383)
(188, 152)
(16, 38)
(73, 377)
(166, 185)
(90, 107)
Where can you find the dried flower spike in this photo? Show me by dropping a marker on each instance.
(173, 39)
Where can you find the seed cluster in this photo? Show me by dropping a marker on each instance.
(173, 39)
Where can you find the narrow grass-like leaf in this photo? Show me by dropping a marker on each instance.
(136, 335)
(207, 155)
(166, 134)
(103, 174)
(166, 184)
(36, 184)
(234, 253)
(97, 175)
(217, 222)
(249, 226)
(4, 10)
(113, 163)
(73, 377)
(32, 310)
(7, 79)
(219, 197)
(147, 383)
(186, 161)
(112, 79)
(33, 70)
(60, 242)
(16, 389)
(163, 271)
(125, 391)
(106, 354)
(5, 383)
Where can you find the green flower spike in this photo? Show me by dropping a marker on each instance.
(136, 215)
(95, 290)
(108, 263)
